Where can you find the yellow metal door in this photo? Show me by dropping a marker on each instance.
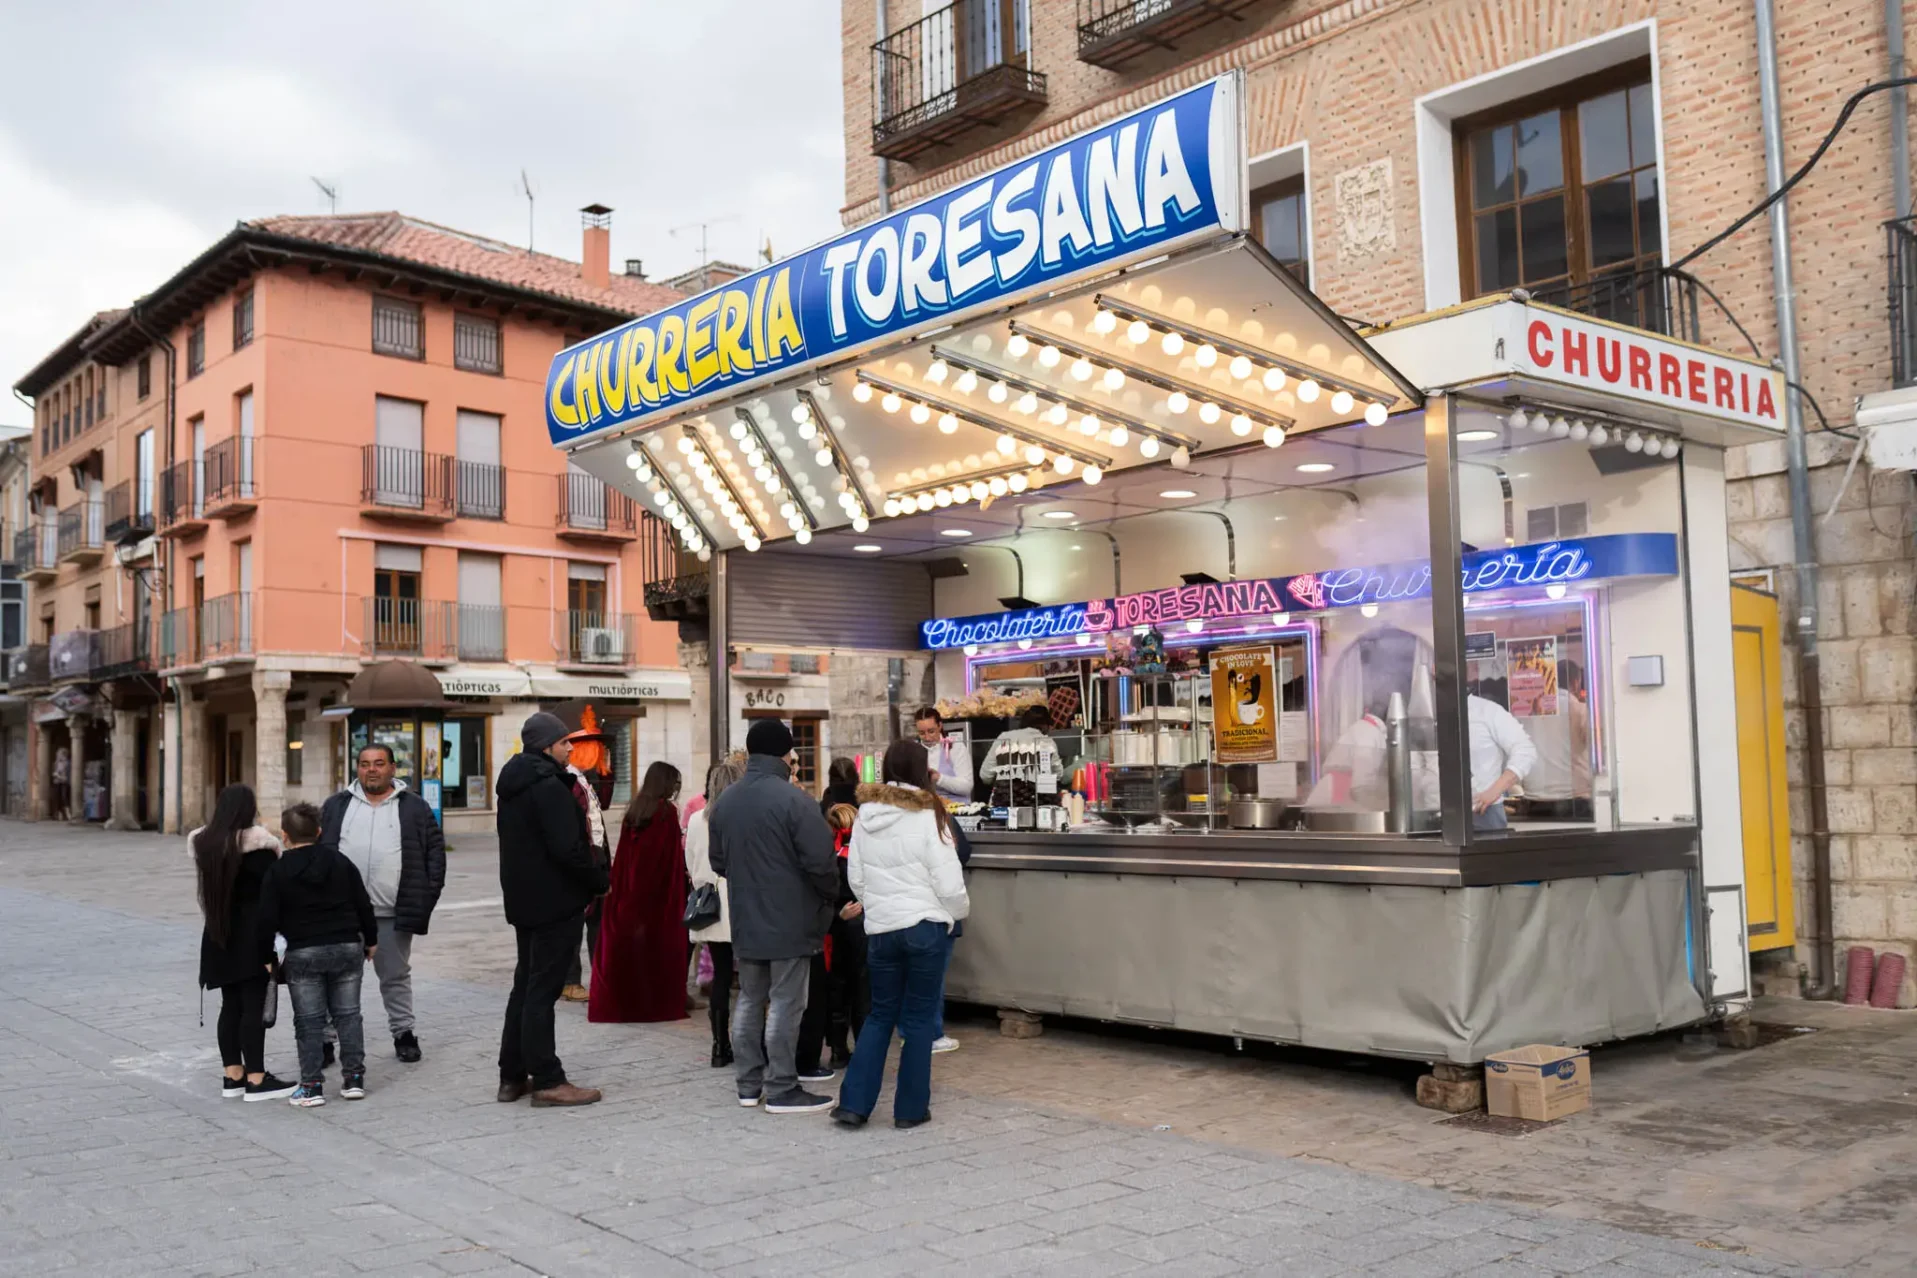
(1758, 664)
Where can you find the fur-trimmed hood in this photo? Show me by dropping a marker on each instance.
(908, 797)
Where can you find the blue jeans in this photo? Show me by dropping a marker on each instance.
(324, 981)
(907, 968)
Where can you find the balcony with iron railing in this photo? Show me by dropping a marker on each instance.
(36, 549)
(600, 640)
(73, 655)
(1657, 299)
(394, 627)
(129, 512)
(406, 484)
(590, 510)
(183, 499)
(959, 68)
(481, 489)
(677, 585)
(125, 650)
(83, 533)
(1901, 264)
(219, 629)
(230, 488)
(1113, 32)
(29, 667)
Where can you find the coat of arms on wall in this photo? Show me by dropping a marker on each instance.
(1365, 221)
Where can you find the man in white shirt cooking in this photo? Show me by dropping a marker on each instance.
(1501, 755)
(949, 761)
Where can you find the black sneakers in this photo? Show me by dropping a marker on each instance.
(269, 1088)
(406, 1047)
(232, 1088)
(848, 1117)
(817, 1074)
(797, 1101)
(353, 1085)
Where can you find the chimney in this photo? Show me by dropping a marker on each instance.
(596, 256)
(636, 268)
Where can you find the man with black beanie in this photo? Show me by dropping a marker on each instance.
(547, 875)
(772, 846)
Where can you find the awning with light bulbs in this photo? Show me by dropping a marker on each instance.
(1124, 322)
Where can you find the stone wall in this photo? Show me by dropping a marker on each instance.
(862, 719)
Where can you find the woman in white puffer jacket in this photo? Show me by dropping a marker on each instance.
(903, 866)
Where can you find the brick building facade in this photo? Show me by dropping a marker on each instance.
(1366, 104)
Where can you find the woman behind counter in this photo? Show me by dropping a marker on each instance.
(639, 972)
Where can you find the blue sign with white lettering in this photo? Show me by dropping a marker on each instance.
(1550, 563)
(1135, 185)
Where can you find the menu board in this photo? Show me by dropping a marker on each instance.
(1244, 702)
(1531, 674)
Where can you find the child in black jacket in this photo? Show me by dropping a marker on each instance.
(316, 900)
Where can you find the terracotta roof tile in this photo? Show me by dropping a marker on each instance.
(410, 239)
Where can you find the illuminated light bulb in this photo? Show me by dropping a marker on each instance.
(738, 430)
(1114, 379)
(787, 510)
(1007, 444)
(947, 423)
(1148, 447)
(1027, 403)
(1139, 332)
(959, 496)
(763, 474)
(1048, 357)
(998, 486)
(1093, 474)
(634, 461)
(751, 545)
(801, 414)
(1017, 347)
(1240, 425)
(803, 536)
(1540, 423)
(685, 444)
(1375, 414)
(860, 523)
(980, 490)
(999, 392)
(1599, 436)
(660, 499)
(860, 392)
(711, 485)
(1274, 379)
(679, 519)
(1240, 367)
(926, 501)
(920, 414)
(795, 523)
(1103, 321)
(1580, 429)
(1181, 457)
(1280, 618)
(1555, 590)
(1177, 402)
(967, 382)
(1056, 414)
(1206, 355)
(1308, 391)
(1672, 448)
(1173, 344)
(1088, 424)
(890, 403)
(1025, 645)
(1119, 436)
(1560, 428)
(705, 554)
(1208, 413)
(1194, 626)
(1634, 443)
(1274, 436)
(937, 372)
(1369, 610)
(1034, 454)
(1018, 483)
(1082, 370)
(891, 507)
(808, 431)
(823, 457)
(1516, 420)
(1063, 464)
(971, 650)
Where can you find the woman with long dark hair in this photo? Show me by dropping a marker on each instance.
(232, 854)
(903, 865)
(717, 936)
(639, 972)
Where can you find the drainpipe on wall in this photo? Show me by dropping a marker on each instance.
(1810, 691)
(878, 90)
(1899, 110)
(163, 589)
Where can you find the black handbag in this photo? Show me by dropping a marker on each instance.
(270, 1009)
(702, 907)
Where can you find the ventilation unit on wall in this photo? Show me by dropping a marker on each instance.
(1555, 523)
(599, 644)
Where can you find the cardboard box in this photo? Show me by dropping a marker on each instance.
(1537, 1082)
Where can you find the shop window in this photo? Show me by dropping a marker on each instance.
(1278, 221)
(805, 744)
(399, 328)
(464, 771)
(1559, 193)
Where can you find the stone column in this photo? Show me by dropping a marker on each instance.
(40, 776)
(77, 726)
(269, 742)
(696, 658)
(169, 751)
(127, 764)
(192, 769)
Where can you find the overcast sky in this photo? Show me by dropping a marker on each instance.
(133, 135)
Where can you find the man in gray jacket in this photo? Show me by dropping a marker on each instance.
(773, 848)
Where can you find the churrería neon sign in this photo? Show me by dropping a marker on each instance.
(1551, 563)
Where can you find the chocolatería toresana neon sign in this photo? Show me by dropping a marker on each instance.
(1550, 563)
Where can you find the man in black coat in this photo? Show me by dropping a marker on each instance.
(393, 839)
(773, 848)
(548, 876)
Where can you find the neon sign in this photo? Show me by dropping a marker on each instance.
(1550, 563)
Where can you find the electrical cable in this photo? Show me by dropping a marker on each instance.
(1843, 118)
(1818, 409)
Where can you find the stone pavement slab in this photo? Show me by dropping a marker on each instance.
(118, 1155)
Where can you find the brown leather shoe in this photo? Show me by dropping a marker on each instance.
(575, 994)
(512, 1089)
(565, 1094)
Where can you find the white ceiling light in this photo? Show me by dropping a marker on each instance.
(955, 532)
(1059, 514)
(1476, 436)
(1177, 494)
(1316, 468)
(868, 549)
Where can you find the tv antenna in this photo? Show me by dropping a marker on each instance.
(526, 186)
(705, 256)
(331, 192)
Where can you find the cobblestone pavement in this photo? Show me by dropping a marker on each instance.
(117, 1154)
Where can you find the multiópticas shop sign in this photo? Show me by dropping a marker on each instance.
(1134, 186)
(1533, 566)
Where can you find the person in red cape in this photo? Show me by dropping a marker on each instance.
(639, 969)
